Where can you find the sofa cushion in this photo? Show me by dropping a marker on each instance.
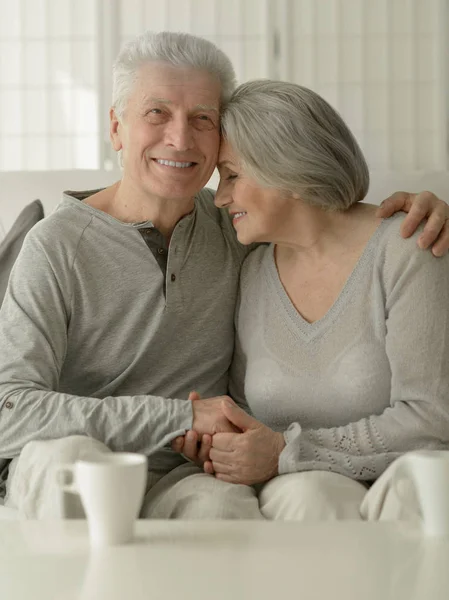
(12, 243)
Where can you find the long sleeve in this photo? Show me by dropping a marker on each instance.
(35, 327)
(416, 301)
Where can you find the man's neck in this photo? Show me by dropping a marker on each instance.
(130, 205)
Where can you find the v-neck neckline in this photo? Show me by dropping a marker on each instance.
(306, 329)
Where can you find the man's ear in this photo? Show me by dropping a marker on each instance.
(114, 127)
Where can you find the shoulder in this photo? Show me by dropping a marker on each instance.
(58, 235)
(208, 212)
(399, 258)
(255, 264)
(391, 246)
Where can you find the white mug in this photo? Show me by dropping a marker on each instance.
(429, 471)
(111, 487)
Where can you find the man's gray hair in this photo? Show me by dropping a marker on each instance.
(288, 137)
(177, 49)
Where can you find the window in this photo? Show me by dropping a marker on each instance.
(380, 63)
(49, 76)
(383, 65)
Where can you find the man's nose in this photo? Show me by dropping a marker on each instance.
(179, 135)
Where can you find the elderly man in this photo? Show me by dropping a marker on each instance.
(122, 300)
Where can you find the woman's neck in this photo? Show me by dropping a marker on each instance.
(314, 234)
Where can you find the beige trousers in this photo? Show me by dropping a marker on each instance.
(188, 493)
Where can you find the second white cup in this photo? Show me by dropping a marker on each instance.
(111, 487)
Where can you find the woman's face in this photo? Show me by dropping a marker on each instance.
(259, 214)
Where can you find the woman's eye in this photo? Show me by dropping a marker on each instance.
(231, 177)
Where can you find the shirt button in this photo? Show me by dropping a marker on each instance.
(160, 251)
(9, 404)
(173, 277)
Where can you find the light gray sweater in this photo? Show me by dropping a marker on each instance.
(90, 343)
(364, 384)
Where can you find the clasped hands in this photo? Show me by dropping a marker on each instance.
(229, 443)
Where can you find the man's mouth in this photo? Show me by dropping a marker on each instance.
(175, 164)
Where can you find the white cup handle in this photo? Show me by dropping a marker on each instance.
(62, 473)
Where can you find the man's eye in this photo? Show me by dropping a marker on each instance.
(204, 117)
(231, 177)
(155, 111)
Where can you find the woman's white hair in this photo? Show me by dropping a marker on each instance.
(177, 49)
(289, 138)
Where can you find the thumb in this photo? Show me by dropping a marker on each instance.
(194, 396)
(237, 416)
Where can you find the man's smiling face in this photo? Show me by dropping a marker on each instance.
(169, 133)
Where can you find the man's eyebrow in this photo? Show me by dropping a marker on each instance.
(197, 107)
(206, 107)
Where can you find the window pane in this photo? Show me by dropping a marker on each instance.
(11, 154)
(35, 63)
(10, 63)
(36, 153)
(11, 112)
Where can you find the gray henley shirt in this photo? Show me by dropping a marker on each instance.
(97, 338)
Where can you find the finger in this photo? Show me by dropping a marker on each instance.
(222, 468)
(418, 212)
(442, 245)
(432, 229)
(205, 447)
(194, 396)
(423, 204)
(190, 450)
(208, 467)
(221, 456)
(226, 478)
(178, 444)
(394, 203)
(225, 441)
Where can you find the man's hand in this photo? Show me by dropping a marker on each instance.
(249, 457)
(424, 205)
(192, 448)
(195, 446)
(209, 417)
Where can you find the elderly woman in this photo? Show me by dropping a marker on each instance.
(342, 350)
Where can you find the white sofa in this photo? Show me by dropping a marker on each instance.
(18, 189)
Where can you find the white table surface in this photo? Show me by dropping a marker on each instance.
(224, 561)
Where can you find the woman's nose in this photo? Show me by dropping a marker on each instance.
(222, 198)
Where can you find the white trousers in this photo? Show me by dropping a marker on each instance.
(184, 493)
(188, 493)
